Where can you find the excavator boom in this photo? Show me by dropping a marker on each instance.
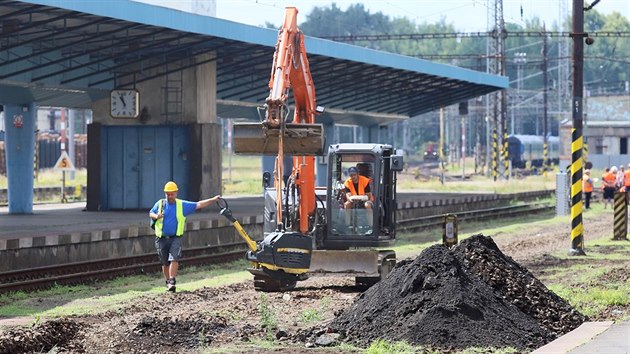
(290, 70)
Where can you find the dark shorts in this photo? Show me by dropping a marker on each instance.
(168, 249)
(609, 192)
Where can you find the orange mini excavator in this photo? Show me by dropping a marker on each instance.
(309, 230)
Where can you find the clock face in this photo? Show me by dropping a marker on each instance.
(124, 103)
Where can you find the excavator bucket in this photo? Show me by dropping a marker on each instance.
(299, 139)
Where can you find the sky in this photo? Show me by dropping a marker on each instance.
(465, 15)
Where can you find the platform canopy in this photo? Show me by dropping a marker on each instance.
(70, 53)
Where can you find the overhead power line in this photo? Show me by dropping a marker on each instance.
(455, 35)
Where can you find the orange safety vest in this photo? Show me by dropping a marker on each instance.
(626, 178)
(363, 182)
(609, 177)
(586, 185)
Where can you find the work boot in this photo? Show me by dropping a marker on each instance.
(170, 286)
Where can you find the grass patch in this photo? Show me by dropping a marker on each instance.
(585, 285)
(243, 175)
(380, 346)
(476, 183)
(110, 295)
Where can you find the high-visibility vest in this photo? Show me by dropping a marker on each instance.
(609, 177)
(626, 178)
(587, 184)
(179, 214)
(363, 182)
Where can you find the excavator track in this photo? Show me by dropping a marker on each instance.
(267, 284)
(386, 262)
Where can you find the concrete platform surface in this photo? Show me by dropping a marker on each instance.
(604, 337)
(54, 219)
(615, 340)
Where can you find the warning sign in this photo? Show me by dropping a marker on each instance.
(64, 163)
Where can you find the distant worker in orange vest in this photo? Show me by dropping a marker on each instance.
(357, 185)
(626, 183)
(587, 186)
(608, 184)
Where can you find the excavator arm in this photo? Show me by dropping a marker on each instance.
(301, 138)
(290, 70)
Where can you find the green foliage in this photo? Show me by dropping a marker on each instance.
(380, 346)
(315, 315)
(268, 318)
(311, 315)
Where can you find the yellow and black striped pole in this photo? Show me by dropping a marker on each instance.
(577, 227)
(620, 223)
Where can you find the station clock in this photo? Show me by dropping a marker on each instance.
(124, 103)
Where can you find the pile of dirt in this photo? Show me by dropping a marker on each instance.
(150, 333)
(41, 338)
(470, 295)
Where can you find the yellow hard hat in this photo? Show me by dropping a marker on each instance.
(170, 186)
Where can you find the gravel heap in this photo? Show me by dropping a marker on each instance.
(470, 295)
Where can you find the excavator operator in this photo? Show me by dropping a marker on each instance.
(357, 185)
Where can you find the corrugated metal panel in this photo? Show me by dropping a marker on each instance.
(138, 160)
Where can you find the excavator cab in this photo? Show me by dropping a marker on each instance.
(361, 214)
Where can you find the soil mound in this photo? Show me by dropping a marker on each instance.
(471, 295)
(41, 338)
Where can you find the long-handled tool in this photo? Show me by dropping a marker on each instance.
(281, 256)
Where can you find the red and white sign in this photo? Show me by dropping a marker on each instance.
(18, 121)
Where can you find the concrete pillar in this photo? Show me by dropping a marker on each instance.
(321, 170)
(19, 122)
(206, 167)
(205, 161)
(206, 100)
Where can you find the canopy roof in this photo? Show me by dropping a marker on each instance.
(70, 53)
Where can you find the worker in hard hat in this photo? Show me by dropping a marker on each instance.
(358, 196)
(168, 217)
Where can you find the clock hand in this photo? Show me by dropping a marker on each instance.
(122, 99)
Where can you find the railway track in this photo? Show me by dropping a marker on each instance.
(87, 272)
(417, 224)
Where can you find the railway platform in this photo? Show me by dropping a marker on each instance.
(592, 337)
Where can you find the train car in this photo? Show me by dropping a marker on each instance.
(529, 148)
(431, 152)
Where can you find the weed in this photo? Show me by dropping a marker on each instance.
(380, 346)
(310, 315)
(315, 315)
(268, 318)
(36, 320)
